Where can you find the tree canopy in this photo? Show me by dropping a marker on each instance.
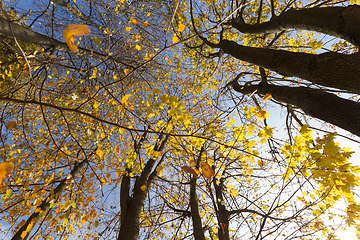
(152, 120)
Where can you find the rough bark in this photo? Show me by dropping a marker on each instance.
(34, 219)
(223, 215)
(317, 103)
(331, 69)
(195, 215)
(26, 35)
(131, 206)
(345, 22)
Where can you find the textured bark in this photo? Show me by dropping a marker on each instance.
(195, 215)
(223, 215)
(317, 103)
(342, 22)
(328, 69)
(124, 195)
(45, 205)
(131, 206)
(26, 35)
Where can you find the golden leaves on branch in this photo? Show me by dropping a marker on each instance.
(72, 31)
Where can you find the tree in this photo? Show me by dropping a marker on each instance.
(329, 69)
(129, 137)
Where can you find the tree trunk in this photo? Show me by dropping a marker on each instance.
(223, 215)
(342, 22)
(131, 207)
(317, 103)
(26, 35)
(195, 215)
(331, 69)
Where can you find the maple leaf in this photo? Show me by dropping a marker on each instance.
(207, 171)
(133, 21)
(267, 97)
(6, 169)
(189, 170)
(125, 100)
(175, 39)
(181, 27)
(74, 30)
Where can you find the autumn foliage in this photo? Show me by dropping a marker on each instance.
(164, 124)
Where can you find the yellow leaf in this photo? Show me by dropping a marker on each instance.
(101, 167)
(146, 24)
(181, 27)
(117, 10)
(84, 220)
(138, 47)
(175, 39)
(97, 40)
(126, 71)
(207, 171)
(267, 97)
(128, 29)
(143, 187)
(118, 172)
(107, 32)
(125, 100)
(72, 31)
(192, 163)
(133, 21)
(23, 234)
(99, 152)
(102, 135)
(6, 169)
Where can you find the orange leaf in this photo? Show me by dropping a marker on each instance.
(133, 21)
(207, 171)
(189, 170)
(74, 30)
(192, 163)
(267, 97)
(6, 169)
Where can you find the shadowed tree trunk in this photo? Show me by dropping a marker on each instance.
(26, 35)
(317, 103)
(131, 207)
(195, 215)
(345, 22)
(223, 214)
(330, 69)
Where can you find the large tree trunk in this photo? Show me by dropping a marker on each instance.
(26, 35)
(223, 214)
(317, 103)
(342, 22)
(328, 69)
(195, 215)
(131, 206)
